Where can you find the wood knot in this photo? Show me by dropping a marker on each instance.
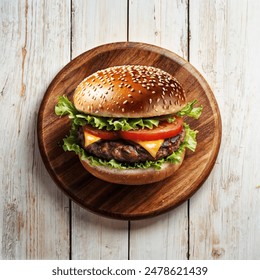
(217, 252)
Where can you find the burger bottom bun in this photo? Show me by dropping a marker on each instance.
(132, 176)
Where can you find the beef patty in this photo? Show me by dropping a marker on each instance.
(127, 151)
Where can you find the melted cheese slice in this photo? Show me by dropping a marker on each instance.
(89, 138)
(151, 147)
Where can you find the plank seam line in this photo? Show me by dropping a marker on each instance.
(127, 20)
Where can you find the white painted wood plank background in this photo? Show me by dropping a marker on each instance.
(37, 38)
(225, 48)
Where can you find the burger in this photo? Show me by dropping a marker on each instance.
(127, 124)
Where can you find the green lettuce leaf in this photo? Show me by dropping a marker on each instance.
(190, 141)
(71, 143)
(65, 107)
(190, 111)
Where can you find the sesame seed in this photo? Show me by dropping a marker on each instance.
(126, 101)
(130, 96)
(132, 89)
(123, 109)
(150, 100)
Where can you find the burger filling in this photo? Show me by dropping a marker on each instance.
(130, 151)
(129, 143)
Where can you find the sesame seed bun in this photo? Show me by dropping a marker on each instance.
(130, 91)
(132, 176)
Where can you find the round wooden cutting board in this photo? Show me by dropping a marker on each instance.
(122, 201)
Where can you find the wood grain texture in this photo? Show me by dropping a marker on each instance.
(226, 50)
(120, 201)
(164, 23)
(95, 23)
(34, 221)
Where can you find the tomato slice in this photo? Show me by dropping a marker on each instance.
(163, 131)
(103, 134)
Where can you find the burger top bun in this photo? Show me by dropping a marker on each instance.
(130, 91)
